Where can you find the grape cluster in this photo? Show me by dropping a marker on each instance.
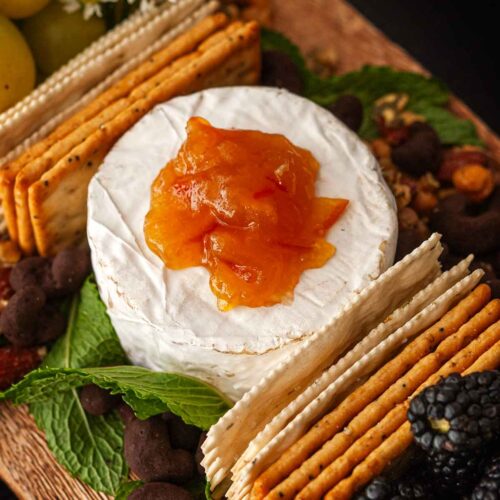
(33, 314)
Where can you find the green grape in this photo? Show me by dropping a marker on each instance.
(17, 68)
(56, 36)
(18, 9)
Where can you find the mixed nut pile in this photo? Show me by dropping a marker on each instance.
(454, 191)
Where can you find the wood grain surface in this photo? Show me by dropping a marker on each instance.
(313, 24)
(25, 462)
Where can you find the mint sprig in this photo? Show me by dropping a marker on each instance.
(428, 96)
(147, 393)
(91, 448)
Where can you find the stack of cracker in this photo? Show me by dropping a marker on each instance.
(94, 69)
(44, 189)
(328, 420)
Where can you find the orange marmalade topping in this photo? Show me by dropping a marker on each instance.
(242, 204)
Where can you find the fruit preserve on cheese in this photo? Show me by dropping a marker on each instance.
(242, 204)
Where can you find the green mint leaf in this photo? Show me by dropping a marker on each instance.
(91, 448)
(274, 40)
(208, 492)
(146, 392)
(90, 339)
(126, 489)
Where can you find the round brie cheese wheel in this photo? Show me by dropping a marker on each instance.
(168, 319)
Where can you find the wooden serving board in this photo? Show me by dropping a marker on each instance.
(26, 464)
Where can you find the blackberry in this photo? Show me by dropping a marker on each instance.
(459, 414)
(455, 472)
(488, 487)
(378, 489)
(405, 488)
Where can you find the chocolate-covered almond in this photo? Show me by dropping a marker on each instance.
(98, 401)
(181, 435)
(150, 456)
(160, 491)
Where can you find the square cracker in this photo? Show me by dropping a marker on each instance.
(34, 170)
(57, 202)
(179, 47)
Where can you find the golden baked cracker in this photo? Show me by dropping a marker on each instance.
(374, 387)
(490, 360)
(33, 170)
(36, 168)
(157, 79)
(341, 378)
(8, 173)
(182, 45)
(233, 436)
(377, 419)
(477, 356)
(49, 205)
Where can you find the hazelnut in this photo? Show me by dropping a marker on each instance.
(428, 183)
(402, 193)
(424, 202)
(408, 218)
(323, 61)
(475, 181)
(9, 252)
(381, 148)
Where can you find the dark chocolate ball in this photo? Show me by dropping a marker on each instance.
(420, 153)
(19, 319)
(70, 268)
(98, 401)
(181, 435)
(160, 491)
(51, 324)
(126, 413)
(150, 456)
(279, 70)
(468, 229)
(33, 271)
(349, 110)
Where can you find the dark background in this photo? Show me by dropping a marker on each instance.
(456, 41)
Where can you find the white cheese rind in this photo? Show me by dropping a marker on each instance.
(168, 320)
